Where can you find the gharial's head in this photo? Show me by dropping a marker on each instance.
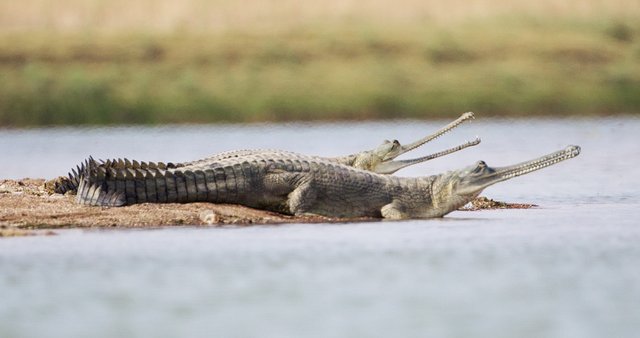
(381, 160)
(461, 186)
(389, 150)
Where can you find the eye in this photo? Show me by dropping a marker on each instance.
(396, 143)
(480, 167)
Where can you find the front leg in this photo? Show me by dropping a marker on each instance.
(302, 199)
(392, 211)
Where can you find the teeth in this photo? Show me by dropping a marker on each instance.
(573, 150)
(569, 152)
(464, 117)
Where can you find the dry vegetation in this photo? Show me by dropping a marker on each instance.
(260, 16)
(101, 62)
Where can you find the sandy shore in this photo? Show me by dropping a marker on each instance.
(27, 205)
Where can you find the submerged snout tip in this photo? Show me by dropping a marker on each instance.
(573, 150)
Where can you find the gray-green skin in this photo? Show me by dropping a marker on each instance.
(299, 185)
(379, 160)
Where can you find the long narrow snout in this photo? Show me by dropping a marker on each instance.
(406, 148)
(390, 167)
(508, 172)
(499, 174)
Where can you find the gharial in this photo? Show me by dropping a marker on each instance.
(296, 184)
(380, 160)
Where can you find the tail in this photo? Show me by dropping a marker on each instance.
(93, 187)
(123, 182)
(71, 182)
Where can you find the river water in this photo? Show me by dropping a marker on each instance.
(569, 268)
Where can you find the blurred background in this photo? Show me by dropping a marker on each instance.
(98, 62)
(551, 72)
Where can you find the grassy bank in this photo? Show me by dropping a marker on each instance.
(516, 65)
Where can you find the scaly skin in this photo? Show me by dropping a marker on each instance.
(299, 185)
(379, 160)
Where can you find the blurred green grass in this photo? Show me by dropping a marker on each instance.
(516, 65)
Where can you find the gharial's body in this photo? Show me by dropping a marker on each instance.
(284, 182)
(380, 160)
(295, 184)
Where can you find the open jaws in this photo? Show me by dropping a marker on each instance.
(391, 166)
(388, 151)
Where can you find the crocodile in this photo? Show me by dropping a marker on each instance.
(379, 160)
(298, 184)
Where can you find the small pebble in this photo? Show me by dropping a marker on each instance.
(209, 217)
